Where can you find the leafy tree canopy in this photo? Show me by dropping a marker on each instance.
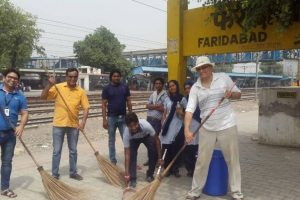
(18, 36)
(258, 13)
(102, 50)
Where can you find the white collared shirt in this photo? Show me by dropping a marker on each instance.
(208, 98)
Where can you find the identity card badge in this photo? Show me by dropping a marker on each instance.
(6, 111)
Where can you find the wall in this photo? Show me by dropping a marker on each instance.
(279, 117)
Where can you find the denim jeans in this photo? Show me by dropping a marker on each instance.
(114, 122)
(58, 140)
(7, 153)
(150, 144)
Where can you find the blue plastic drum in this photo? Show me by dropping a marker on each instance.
(217, 178)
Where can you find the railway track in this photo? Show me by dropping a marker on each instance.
(41, 112)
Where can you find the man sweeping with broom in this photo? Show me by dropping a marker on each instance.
(65, 122)
(221, 126)
(13, 102)
(138, 131)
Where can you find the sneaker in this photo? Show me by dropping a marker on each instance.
(237, 196)
(149, 179)
(132, 184)
(192, 198)
(76, 177)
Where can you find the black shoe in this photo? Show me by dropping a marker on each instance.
(149, 179)
(76, 177)
(56, 177)
(176, 174)
(168, 174)
(146, 163)
(190, 174)
(132, 184)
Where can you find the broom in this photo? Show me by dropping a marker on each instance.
(112, 173)
(148, 192)
(144, 192)
(55, 189)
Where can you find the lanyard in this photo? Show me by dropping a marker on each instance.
(5, 100)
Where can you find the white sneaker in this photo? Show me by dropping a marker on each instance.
(237, 196)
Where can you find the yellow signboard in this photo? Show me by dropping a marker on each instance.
(208, 32)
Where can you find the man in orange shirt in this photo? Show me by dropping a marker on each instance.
(66, 118)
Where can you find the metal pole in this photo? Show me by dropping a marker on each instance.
(298, 73)
(256, 78)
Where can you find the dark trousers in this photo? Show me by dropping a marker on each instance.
(190, 157)
(149, 142)
(172, 150)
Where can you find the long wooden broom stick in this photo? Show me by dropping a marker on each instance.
(148, 192)
(112, 173)
(55, 189)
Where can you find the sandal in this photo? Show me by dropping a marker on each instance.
(8, 193)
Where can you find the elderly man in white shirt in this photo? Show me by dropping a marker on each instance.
(221, 126)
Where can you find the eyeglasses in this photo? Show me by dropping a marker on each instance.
(74, 77)
(12, 77)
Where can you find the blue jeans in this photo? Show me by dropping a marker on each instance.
(7, 153)
(58, 140)
(114, 122)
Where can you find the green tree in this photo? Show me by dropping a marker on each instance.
(18, 36)
(252, 13)
(271, 68)
(102, 50)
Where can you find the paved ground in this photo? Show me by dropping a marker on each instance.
(268, 172)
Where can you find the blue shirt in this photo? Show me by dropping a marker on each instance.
(15, 101)
(116, 95)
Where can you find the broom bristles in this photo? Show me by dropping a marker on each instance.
(57, 190)
(148, 192)
(112, 173)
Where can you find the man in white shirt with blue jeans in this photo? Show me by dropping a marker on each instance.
(221, 126)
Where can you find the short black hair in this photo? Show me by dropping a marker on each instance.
(159, 79)
(131, 117)
(114, 71)
(71, 69)
(11, 70)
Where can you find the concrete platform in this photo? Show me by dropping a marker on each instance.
(268, 172)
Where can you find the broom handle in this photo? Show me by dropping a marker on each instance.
(21, 140)
(185, 144)
(69, 110)
(29, 153)
(88, 140)
(163, 158)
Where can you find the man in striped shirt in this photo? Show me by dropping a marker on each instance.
(155, 112)
(220, 127)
